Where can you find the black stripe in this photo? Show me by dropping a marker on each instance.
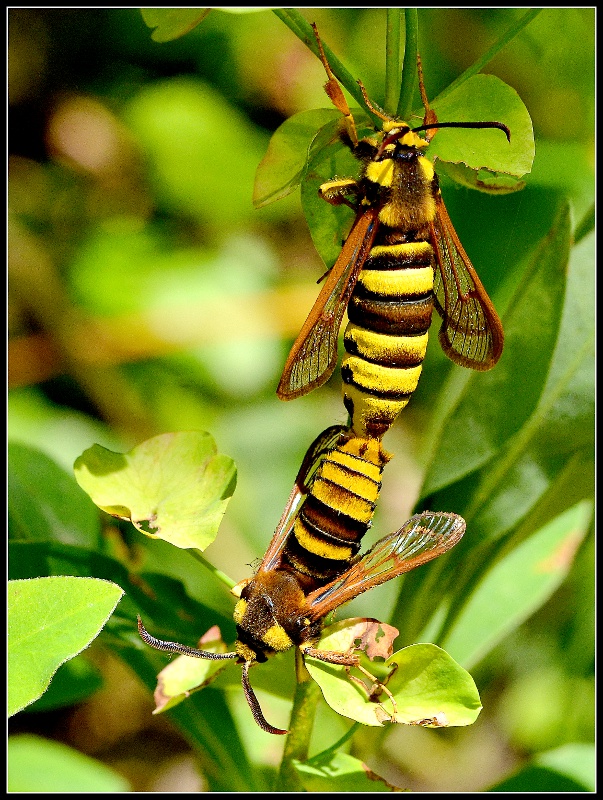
(398, 318)
(318, 515)
(310, 564)
(411, 359)
(391, 261)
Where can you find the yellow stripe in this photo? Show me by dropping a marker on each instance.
(367, 449)
(405, 249)
(355, 483)
(427, 168)
(320, 547)
(343, 501)
(397, 282)
(382, 379)
(383, 347)
(357, 464)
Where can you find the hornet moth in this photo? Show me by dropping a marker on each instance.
(312, 565)
(401, 258)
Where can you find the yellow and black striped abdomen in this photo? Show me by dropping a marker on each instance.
(386, 338)
(338, 510)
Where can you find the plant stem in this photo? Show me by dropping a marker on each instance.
(409, 67)
(210, 567)
(303, 712)
(392, 60)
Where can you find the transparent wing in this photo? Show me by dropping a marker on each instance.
(471, 334)
(323, 444)
(313, 356)
(424, 537)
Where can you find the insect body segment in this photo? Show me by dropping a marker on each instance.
(313, 565)
(401, 259)
(338, 510)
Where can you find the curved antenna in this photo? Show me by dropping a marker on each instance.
(500, 125)
(404, 129)
(254, 705)
(176, 647)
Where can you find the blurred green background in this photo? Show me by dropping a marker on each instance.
(147, 295)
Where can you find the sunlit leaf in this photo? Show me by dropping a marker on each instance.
(37, 765)
(485, 98)
(429, 688)
(174, 487)
(516, 586)
(49, 621)
(340, 772)
(282, 168)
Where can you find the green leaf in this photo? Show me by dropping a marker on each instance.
(172, 23)
(50, 620)
(491, 407)
(45, 503)
(37, 765)
(577, 761)
(538, 779)
(283, 167)
(73, 682)
(429, 688)
(340, 772)
(569, 768)
(485, 98)
(483, 180)
(521, 582)
(174, 486)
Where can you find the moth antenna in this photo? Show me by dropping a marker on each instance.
(176, 647)
(254, 704)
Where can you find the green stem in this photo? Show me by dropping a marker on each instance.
(297, 744)
(210, 567)
(489, 55)
(392, 60)
(409, 67)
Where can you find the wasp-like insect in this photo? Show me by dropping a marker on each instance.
(401, 257)
(312, 564)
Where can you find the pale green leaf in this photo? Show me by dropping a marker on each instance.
(429, 688)
(50, 620)
(516, 586)
(340, 772)
(37, 765)
(174, 486)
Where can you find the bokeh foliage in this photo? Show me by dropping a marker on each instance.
(147, 295)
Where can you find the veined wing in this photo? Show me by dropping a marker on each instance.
(323, 444)
(471, 334)
(423, 538)
(313, 356)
